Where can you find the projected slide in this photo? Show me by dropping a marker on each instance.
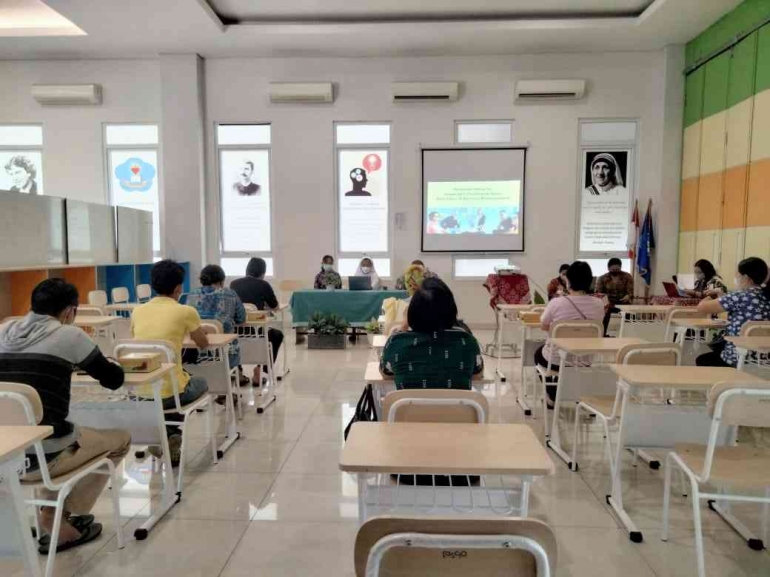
(473, 207)
(473, 200)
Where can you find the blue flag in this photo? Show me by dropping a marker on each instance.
(646, 244)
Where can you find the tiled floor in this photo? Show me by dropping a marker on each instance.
(276, 504)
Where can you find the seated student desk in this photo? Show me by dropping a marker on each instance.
(220, 384)
(644, 321)
(119, 308)
(746, 345)
(442, 449)
(104, 419)
(532, 336)
(102, 330)
(581, 376)
(662, 424)
(506, 313)
(700, 327)
(14, 440)
(246, 333)
(381, 385)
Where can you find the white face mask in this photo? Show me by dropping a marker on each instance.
(366, 269)
(700, 275)
(738, 282)
(326, 267)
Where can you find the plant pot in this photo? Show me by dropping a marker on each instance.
(326, 341)
(370, 338)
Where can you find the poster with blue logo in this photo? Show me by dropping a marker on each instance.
(134, 184)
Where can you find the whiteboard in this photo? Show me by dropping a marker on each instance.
(31, 230)
(134, 235)
(90, 233)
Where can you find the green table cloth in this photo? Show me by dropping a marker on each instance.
(356, 307)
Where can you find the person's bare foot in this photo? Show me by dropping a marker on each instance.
(67, 532)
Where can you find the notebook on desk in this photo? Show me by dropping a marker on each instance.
(360, 283)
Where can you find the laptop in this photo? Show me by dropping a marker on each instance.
(673, 291)
(360, 283)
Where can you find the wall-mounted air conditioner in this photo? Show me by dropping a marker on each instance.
(539, 90)
(67, 94)
(425, 91)
(305, 92)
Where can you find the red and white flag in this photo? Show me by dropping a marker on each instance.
(633, 236)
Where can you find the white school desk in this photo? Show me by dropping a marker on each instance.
(103, 330)
(156, 379)
(441, 449)
(217, 375)
(581, 376)
(14, 440)
(661, 425)
(644, 321)
(746, 345)
(699, 325)
(532, 336)
(506, 313)
(121, 308)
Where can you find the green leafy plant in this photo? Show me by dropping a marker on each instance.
(373, 327)
(327, 324)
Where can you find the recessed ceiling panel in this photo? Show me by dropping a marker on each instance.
(33, 18)
(251, 11)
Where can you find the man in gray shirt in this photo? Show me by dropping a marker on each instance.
(41, 350)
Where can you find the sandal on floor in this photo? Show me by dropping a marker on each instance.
(90, 533)
(79, 522)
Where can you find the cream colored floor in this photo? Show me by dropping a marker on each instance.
(276, 504)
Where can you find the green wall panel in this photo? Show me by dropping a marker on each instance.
(715, 85)
(763, 58)
(742, 70)
(693, 99)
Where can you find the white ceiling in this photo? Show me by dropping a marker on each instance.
(145, 28)
(33, 18)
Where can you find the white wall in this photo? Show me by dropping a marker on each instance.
(72, 135)
(628, 85)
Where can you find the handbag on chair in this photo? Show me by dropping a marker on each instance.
(365, 410)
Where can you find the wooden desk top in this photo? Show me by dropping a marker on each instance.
(698, 323)
(215, 340)
(16, 438)
(594, 345)
(132, 379)
(761, 344)
(681, 377)
(645, 308)
(427, 448)
(373, 375)
(85, 321)
(504, 307)
(379, 341)
(122, 306)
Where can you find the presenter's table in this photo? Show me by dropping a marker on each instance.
(356, 307)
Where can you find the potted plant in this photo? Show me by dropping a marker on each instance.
(326, 331)
(372, 328)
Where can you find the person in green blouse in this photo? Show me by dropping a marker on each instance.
(437, 352)
(327, 277)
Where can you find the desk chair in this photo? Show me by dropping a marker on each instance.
(257, 350)
(143, 293)
(20, 404)
(97, 298)
(452, 547)
(208, 360)
(739, 469)
(166, 349)
(120, 295)
(436, 406)
(579, 329)
(756, 329)
(680, 313)
(91, 311)
(607, 408)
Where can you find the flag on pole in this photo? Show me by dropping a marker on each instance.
(633, 238)
(645, 247)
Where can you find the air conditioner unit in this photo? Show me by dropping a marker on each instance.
(307, 92)
(538, 90)
(425, 91)
(67, 94)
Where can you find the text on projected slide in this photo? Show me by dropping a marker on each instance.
(473, 207)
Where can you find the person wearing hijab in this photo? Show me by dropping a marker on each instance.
(327, 277)
(366, 268)
(427, 273)
(605, 176)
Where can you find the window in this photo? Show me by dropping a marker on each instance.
(132, 169)
(483, 132)
(363, 194)
(21, 158)
(243, 157)
(467, 268)
(606, 186)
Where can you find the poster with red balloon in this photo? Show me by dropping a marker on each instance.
(363, 200)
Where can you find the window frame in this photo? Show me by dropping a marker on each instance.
(511, 122)
(339, 254)
(478, 256)
(29, 147)
(157, 254)
(606, 146)
(218, 148)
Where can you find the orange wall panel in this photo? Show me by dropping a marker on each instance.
(710, 196)
(688, 211)
(22, 283)
(758, 207)
(735, 197)
(84, 279)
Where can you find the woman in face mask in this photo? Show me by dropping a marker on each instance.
(558, 286)
(749, 302)
(707, 281)
(327, 277)
(366, 268)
